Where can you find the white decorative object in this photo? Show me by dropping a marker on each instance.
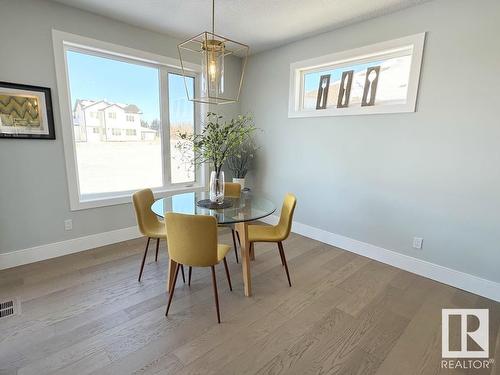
(240, 181)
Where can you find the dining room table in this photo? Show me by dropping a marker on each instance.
(235, 212)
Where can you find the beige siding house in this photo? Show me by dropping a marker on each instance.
(97, 121)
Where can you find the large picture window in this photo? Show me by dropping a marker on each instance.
(125, 114)
(110, 160)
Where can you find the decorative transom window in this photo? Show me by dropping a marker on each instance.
(381, 78)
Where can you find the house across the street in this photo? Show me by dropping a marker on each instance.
(103, 121)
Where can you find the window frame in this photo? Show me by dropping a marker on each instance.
(388, 49)
(62, 42)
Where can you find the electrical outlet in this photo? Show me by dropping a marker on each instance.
(417, 242)
(68, 224)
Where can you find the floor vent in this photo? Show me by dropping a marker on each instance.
(8, 308)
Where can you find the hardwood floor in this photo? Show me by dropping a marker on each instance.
(86, 313)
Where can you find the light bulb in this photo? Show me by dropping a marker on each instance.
(212, 70)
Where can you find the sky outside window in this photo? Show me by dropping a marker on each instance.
(97, 78)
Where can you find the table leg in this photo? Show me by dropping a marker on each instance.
(242, 229)
(171, 274)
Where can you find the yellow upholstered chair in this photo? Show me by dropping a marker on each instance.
(233, 190)
(149, 224)
(192, 241)
(277, 233)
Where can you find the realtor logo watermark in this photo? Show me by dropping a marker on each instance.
(465, 334)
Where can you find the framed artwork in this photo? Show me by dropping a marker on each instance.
(345, 89)
(26, 112)
(370, 88)
(324, 85)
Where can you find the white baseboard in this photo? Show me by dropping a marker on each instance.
(486, 288)
(458, 279)
(57, 249)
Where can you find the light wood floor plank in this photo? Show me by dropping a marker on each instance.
(86, 313)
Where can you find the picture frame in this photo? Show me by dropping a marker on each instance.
(26, 112)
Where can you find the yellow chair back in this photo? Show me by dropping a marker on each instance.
(192, 239)
(285, 224)
(146, 219)
(232, 190)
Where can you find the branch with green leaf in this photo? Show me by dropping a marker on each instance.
(241, 162)
(218, 140)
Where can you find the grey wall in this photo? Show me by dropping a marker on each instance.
(33, 189)
(384, 179)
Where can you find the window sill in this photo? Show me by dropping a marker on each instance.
(126, 197)
(354, 111)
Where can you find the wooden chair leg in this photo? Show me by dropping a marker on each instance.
(214, 281)
(252, 252)
(144, 259)
(183, 277)
(281, 256)
(157, 246)
(235, 248)
(189, 275)
(171, 295)
(227, 274)
(282, 252)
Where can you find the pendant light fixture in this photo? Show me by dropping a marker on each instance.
(211, 50)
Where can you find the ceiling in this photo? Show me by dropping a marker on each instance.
(263, 24)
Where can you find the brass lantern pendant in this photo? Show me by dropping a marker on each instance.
(213, 49)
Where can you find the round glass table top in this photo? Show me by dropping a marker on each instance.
(247, 207)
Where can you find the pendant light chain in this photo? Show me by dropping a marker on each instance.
(213, 17)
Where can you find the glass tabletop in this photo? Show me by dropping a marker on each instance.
(247, 207)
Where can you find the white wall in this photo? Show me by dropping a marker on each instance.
(383, 179)
(33, 189)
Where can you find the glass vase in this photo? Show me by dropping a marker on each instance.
(217, 187)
